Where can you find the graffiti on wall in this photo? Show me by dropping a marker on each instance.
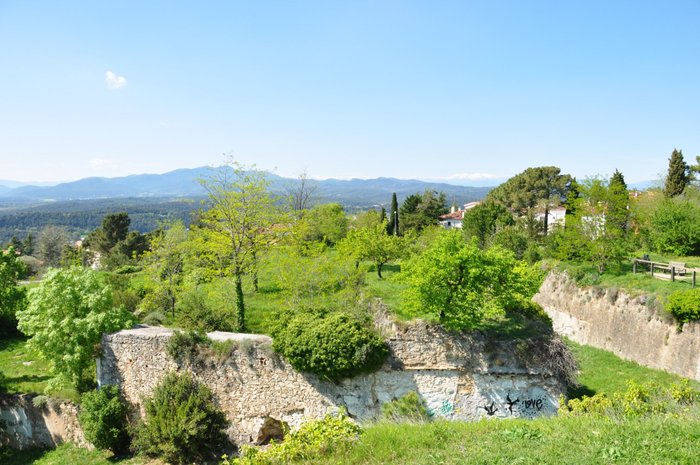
(519, 405)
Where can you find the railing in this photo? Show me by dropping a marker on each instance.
(673, 270)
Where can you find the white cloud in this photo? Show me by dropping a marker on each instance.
(102, 163)
(114, 81)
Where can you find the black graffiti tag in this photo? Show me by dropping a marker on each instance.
(511, 403)
(533, 404)
(490, 409)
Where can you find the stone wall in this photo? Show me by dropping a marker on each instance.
(25, 425)
(463, 377)
(627, 326)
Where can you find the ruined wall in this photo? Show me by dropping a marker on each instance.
(25, 425)
(627, 326)
(459, 376)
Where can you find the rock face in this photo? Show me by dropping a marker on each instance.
(25, 425)
(627, 326)
(458, 376)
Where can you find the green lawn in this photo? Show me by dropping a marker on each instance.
(22, 371)
(66, 454)
(603, 371)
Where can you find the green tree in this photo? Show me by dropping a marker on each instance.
(114, 229)
(678, 176)
(599, 227)
(103, 417)
(484, 221)
(12, 297)
(463, 285)
(66, 316)
(421, 211)
(541, 187)
(28, 245)
(372, 243)
(675, 227)
(50, 244)
(326, 223)
(392, 227)
(165, 266)
(238, 227)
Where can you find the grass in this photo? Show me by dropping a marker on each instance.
(545, 441)
(24, 371)
(67, 454)
(622, 277)
(603, 371)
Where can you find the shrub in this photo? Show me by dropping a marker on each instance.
(182, 424)
(199, 315)
(409, 407)
(103, 419)
(184, 346)
(684, 305)
(316, 438)
(334, 346)
(155, 318)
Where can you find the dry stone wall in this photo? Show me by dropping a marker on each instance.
(627, 326)
(464, 377)
(25, 426)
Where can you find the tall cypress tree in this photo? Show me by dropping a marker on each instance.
(392, 226)
(678, 174)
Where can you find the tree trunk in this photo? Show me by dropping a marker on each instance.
(240, 306)
(546, 220)
(379, 270)
(255, 272)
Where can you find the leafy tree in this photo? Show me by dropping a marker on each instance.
(485, 220)
(66, 316)
(165, 266)
(599, 228)
(420, 211)
(675, 227)
(463, 285)
(50, 244)
(541, 187)
(28, 244)
(392, 227)
(368, 219)
(182, 423)
(372, 243)
(678, 176)
(326, 223)
(12, 297)
(238, 227)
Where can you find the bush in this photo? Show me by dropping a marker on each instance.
(103, 419)
(184, 346)
(409, 407)
(182, 424)
(684, 305)
(334, 346)
(675, 228)
(315, 438)
(198, 314)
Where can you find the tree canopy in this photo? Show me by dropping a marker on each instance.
(420, 211)
(12, 297)
(678, 176)
(66, 316)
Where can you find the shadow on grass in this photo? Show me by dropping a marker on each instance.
(20, 457)
(577, 392)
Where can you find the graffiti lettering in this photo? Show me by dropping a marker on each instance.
(533, 404)
(447, 408)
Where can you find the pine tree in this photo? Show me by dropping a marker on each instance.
(392, 226)
(618, 180)
(678, 176)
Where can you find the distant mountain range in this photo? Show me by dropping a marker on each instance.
(184, 183)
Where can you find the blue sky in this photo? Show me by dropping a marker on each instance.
(432, 89)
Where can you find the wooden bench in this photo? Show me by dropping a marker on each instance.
(678, 267)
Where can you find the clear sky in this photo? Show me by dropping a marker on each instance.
(407, 89)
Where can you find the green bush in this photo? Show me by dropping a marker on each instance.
(334, 346)
(313, 439)
(684, 305)
(184, 346)
(182, 424)
(409, 407)
(198, 314)
(103, 419)
(675, 227)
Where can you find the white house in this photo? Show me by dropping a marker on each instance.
(555, 218)
(454, 218)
